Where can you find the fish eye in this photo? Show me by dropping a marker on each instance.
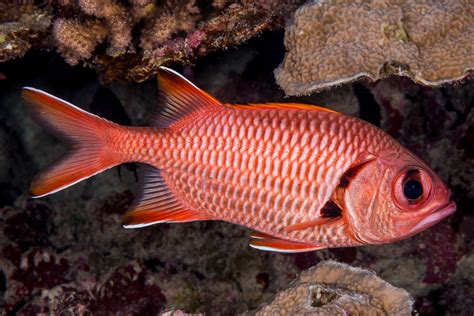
(412, 188)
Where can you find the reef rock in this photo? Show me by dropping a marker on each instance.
(99, 33)
(332, 42)
(333, 288)
(22, 25)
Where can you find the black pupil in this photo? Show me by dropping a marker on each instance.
(412, 189)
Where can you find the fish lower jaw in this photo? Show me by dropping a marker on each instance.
(435, 217)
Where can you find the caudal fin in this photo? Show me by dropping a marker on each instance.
(86, 133)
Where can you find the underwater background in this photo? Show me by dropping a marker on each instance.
(68, 253)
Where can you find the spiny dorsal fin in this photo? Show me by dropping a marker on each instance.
(155, 203)
(178, 98)
(282, 106)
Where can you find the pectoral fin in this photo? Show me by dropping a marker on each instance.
(316, 222)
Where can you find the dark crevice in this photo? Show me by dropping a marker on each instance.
(369, 108)
(3, 283)
(460, 117)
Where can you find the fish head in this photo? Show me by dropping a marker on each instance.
(394, 197)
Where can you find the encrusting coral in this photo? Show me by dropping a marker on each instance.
(22, 25)
(333, 288)
(129, 40)
(332, 42)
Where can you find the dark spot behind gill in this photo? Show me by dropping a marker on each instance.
(330, 209)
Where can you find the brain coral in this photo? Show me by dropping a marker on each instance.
(333, 288)
(330, 42)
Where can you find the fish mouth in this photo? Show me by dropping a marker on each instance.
(435, 217)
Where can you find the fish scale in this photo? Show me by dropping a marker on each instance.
(302, 177)
(276, 159)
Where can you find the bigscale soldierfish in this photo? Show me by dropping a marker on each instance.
(303, 177)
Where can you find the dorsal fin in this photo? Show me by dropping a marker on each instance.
(282, 106)
(155, 203)
(178, 98)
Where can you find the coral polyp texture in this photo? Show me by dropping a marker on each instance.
(129, 40)
(332, 42)
(333, 288)
(89, 34)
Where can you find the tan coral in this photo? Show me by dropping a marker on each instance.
(76, 40)
(165, 24)
(142, 9)
(333, 288)
(118, 22)
(333, 42)
(169, 31)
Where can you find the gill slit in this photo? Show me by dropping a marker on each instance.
(371, 205)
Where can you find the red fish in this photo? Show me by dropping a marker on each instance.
(303, 177)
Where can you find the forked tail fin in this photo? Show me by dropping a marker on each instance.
(87, 133)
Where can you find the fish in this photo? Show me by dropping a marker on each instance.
(106, 104)
(301, 177)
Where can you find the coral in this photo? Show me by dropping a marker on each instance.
(36, 271)
(332, 42)
(178, 312)
(230, 26)
(333, 288)
(163, 26)
(88, 35)
(116, 18)
(22, 25)
(462, 279)
(163, 31)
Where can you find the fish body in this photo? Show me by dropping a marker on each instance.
(303, 177)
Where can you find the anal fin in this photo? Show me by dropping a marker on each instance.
(269, 243)
(155, 203)
(260, 235)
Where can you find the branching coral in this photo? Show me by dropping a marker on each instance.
(162, 26)
(209, 31)
(332, 42)
(141, 34)
(79, 47)
(116, 18)
(333, 288)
